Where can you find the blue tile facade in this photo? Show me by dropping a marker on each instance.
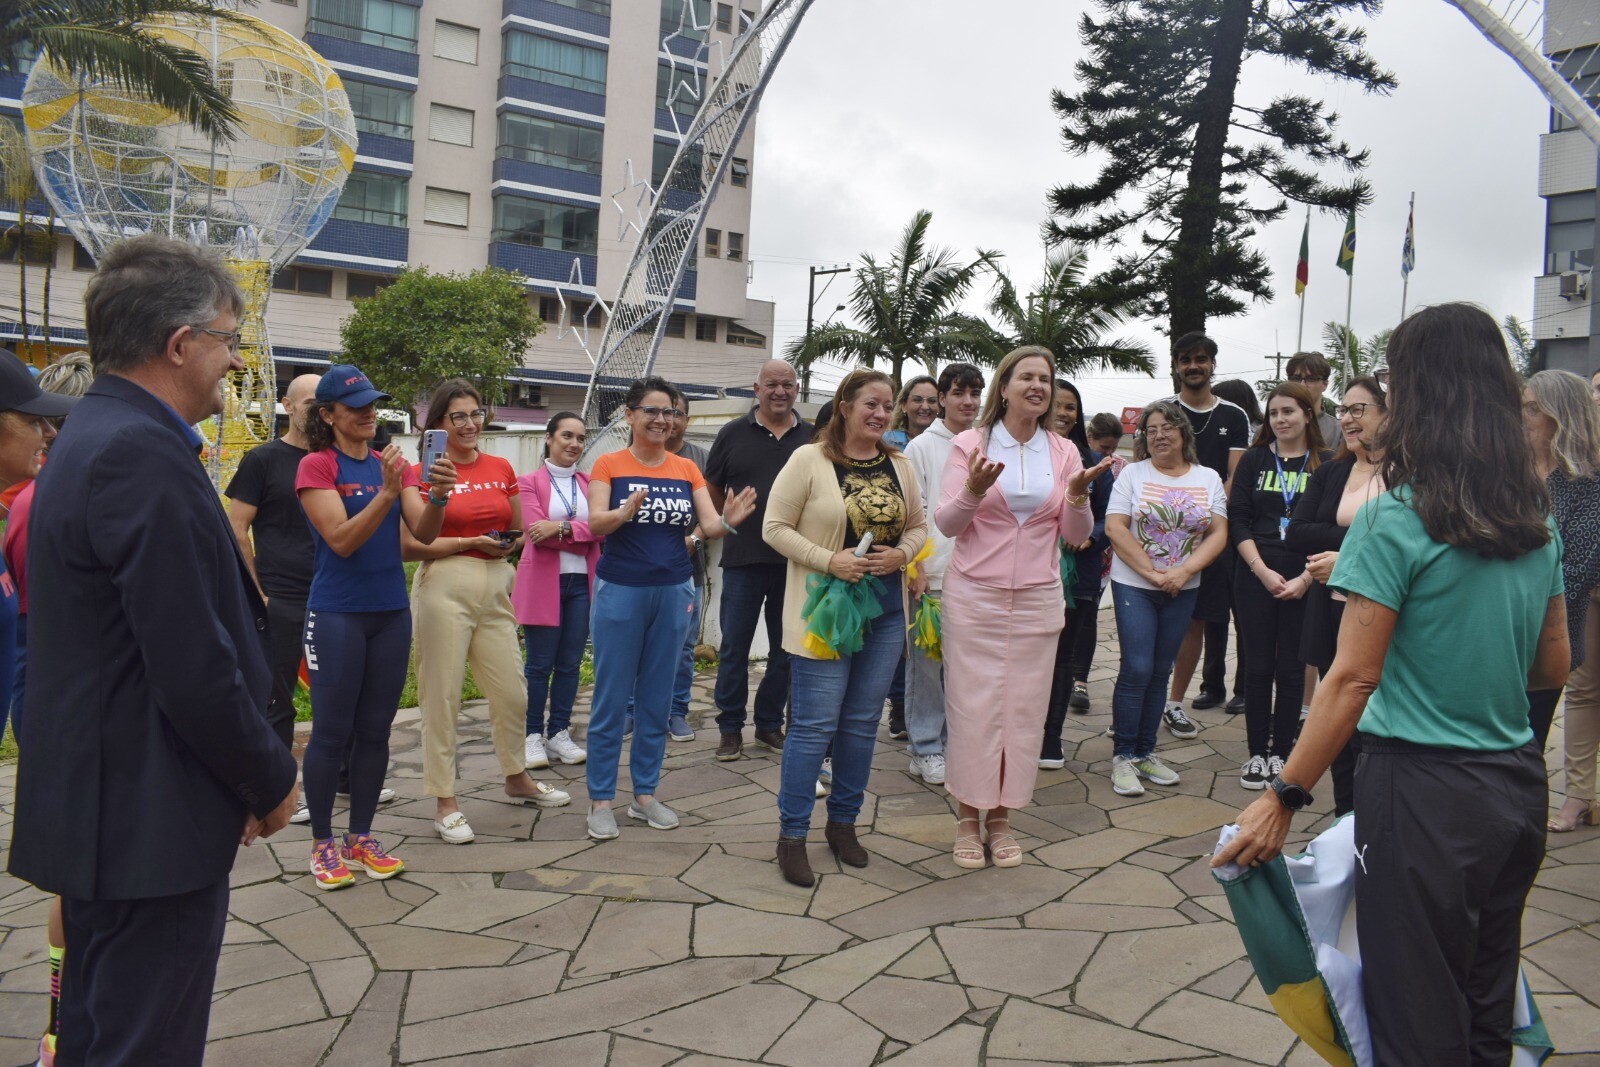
(382, 146)
(516, 170)
(339, 50)
(550, 264)
(513, 88)
(557, 15)
(350, 238)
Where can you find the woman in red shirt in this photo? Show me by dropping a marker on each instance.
(461, 610)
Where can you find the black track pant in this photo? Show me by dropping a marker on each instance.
(1269, 642)
(1448, 842)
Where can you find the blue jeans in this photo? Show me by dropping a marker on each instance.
(685, 676)
(924, 700)
(638, 642)
(744, 590)
(1150, 629)
(554, 655)
(838, 702)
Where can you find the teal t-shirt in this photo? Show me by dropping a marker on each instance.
(1468, 628)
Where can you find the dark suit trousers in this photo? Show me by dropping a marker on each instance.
(286, 623)
(136, 983)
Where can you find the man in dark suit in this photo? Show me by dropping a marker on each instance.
(151, 760)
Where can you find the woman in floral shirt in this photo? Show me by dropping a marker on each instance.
(1167, 522)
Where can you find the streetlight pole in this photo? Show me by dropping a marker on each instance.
(811, 304)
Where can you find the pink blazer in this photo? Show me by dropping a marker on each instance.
(990, 548)
(536, 597)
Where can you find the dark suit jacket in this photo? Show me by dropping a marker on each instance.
(147, 665)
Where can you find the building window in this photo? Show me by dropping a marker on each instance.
(543, 59)
(747, 338)
(713, 243)
(39, 247)
(525, 396)
(678, 88)
(550, 309)
(452, 125)
(735, 245)
(445, 207)
(363, 286)
(677, 325)
(725, 18)
(376, 198)
(1569, 232)
(705, 328)
(311, 281)
(81, 259)
(380, 109)
(687, 18)
(534, 139)
(455, 42)
(739, 172)
(543, 224)
(383, 23)
(593, 7)
(687, 176)
(746, 20)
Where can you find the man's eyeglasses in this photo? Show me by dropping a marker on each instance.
(1355, 411)
(651, 412)
(461, 418)
(1306, 379)
(229, 338)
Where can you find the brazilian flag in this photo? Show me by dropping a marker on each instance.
(1297, 918)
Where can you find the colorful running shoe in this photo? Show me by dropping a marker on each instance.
(327, 867)
(365, 852)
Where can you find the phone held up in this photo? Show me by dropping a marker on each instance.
(433, 442)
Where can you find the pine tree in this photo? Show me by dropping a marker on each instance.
(1188, 169)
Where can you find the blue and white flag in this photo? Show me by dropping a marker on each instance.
(1408, 250)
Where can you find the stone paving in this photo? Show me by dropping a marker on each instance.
(1110, 945)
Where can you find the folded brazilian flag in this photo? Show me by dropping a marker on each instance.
(1297, 919)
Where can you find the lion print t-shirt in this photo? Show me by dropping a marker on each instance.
(872, 501)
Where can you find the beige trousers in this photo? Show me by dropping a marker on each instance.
(461, 614)
(1583, 710)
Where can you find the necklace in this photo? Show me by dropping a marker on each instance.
(1212, 410)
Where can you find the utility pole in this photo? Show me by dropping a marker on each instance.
(811, 304)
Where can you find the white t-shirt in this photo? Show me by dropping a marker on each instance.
(1169, 516)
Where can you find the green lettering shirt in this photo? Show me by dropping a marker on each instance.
(1457, 667)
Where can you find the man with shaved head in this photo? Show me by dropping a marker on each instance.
(750, 451)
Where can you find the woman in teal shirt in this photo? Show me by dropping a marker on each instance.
(1455, 611)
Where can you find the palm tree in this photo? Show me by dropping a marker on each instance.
(1520, 343)
(1364, 355)
(17, 185)
(907, 308)
(1064, 317)
(102, 39)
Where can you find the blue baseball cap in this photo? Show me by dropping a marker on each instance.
(348, 386)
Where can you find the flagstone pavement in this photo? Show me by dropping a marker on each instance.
(1111, 944)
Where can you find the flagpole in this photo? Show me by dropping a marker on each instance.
(1405, 277)
(1300, 334)
(1349, 300)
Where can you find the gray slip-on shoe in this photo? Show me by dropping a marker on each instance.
(657, 814)
(602, 824)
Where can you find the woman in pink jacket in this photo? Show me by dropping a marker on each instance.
(551, 597)
(1012, 492)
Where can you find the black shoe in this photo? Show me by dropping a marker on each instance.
(731, 747)
(1050, 755)
(1080, 698)
(794, 863)
(772, 739)
(897, 722)
(1206, 701)
(1236, 705)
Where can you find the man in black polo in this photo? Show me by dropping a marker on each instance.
(750, 451)
(1221, 435)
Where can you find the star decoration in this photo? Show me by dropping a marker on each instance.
(580, 330)
(689, 87)
(642, 202)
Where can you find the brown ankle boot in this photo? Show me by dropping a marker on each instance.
(842, 840)
(794, 863)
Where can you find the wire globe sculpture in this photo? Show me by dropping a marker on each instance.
(114, 165)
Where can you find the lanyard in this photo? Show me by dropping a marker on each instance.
(1284, 487)
(566, 501)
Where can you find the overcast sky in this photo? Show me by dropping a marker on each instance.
(883, 107)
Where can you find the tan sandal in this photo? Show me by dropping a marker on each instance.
(1562, 823)
(968, 850)
(1002, 846)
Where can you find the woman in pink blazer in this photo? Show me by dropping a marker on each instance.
(551, 596)
(1012, 492)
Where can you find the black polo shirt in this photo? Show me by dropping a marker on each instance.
(746, 453)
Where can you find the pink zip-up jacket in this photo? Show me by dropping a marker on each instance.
(536, 596)
(991, 548)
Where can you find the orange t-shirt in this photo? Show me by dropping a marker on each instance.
(480, 501)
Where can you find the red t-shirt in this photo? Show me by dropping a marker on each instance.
(481, 499)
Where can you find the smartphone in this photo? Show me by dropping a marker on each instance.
(507, 537)
(433, 442)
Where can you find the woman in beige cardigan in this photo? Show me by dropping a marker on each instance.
(832, 493)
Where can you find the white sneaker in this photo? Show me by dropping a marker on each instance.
(302, 815)
(454, 829)
(929, 768)
(1124, 778)
(564, 748)
(533, 754)
(385, 795)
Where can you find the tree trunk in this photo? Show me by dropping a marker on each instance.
(22, 277)
(1190, 276)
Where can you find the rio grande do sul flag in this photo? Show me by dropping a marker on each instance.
(1297, 919)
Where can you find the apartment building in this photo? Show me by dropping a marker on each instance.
(516, 133)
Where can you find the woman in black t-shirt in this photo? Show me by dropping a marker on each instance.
(1271, 578)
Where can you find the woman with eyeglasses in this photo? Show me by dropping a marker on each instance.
(555, 583)
(461, 609)
(1322, 516)
(1563, 426)
(358, 616)
(644, 501)
(1272, 579)
(916, 408)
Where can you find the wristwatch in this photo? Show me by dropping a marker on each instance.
(697, 541)
(1290, 795)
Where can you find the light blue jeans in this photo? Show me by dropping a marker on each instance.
(838, 702)
(1150, 628)
(925, 700)
(638, 634)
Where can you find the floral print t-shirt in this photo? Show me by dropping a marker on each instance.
(1169, 516)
